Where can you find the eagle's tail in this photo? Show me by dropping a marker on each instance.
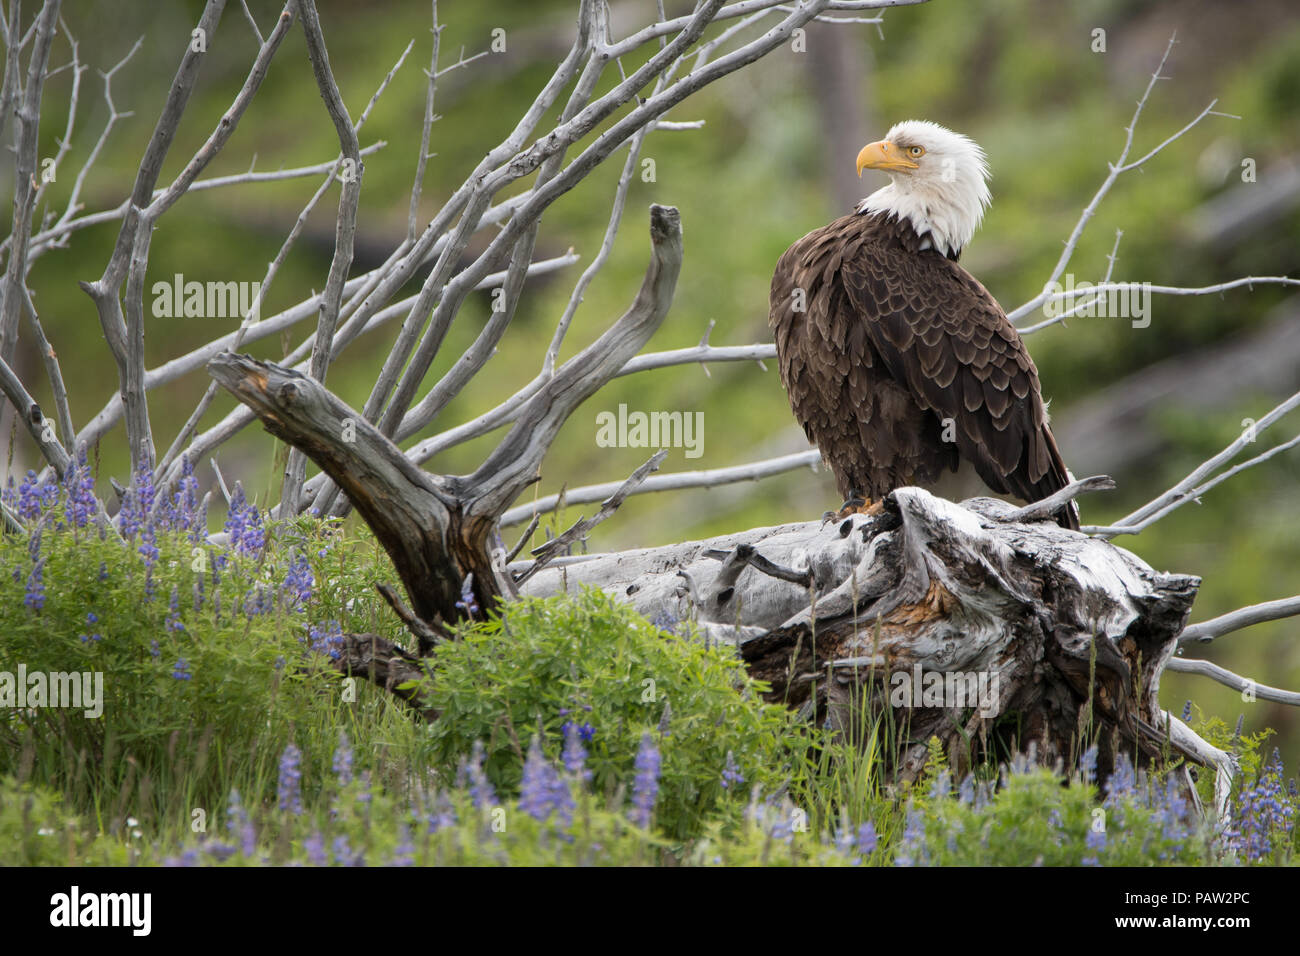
(1067, 517)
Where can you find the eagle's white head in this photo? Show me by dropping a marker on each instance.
(939, 181)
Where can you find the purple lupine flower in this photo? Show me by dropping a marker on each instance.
(1088, 764)
(219, 851)
(867, 838)
(467, 603)
(173, 622)
(1122, 782)
(404, 853)
(315, 847)
(480, 787)
(326, 640)
(240, 826)
(30, 499)
(731, 774)
(966, 791)
(535, 790)
(298, 582)
(1096, 842)
(91, 634)
(244, 524)
(80, 505)
(1265, 817)
(181, 670)
(34, 597)
(154, 650)
(189, 857)
(289, 789)
(103, 570)
(645, 786)
(185, 501)
(912, 851)
(575, 754)
(343, 852)
(442, 815)
(1187, 710)
(343, 760)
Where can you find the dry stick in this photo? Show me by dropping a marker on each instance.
(9, 91)
(514, 464)
(582, 528)
(1121, 165)
(1079, 307)
(1213, 671)
(1047, 507)
(34, 419)
(29, 125)
(52, 370)
(65, 143)
(1207, 631)
(508, 411)
(426, 635)
(413, 216)
(344, 231)
(524, 538)
(248, 15)
(56, 235)
(129, 355)
(710, 478)
(744, 555)
(1187, 489)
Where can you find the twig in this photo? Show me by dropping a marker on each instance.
(1047, 507)
(671, 482)
(1187, 489)
(583, 527)
(427, 636)
(1207, 631)
(1226, 677)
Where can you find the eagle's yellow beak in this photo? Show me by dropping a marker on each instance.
(883, 155)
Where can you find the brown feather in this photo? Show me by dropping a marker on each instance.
(894, 341)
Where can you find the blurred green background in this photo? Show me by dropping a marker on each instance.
(773, 160)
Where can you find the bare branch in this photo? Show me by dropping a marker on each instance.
(1204, 668)
(711, 478)
(345, 227)
(1191, 486)
(1047, 507)
(1207, 631)
(29, 124)
(34, 420)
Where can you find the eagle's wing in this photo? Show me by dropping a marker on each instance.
(939, 331)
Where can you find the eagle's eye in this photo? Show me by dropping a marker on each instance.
(916, 152)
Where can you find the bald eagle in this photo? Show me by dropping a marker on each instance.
(898, 363)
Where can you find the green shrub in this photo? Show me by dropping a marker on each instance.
(593, 662)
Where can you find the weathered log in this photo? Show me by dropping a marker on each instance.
(987, 632)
